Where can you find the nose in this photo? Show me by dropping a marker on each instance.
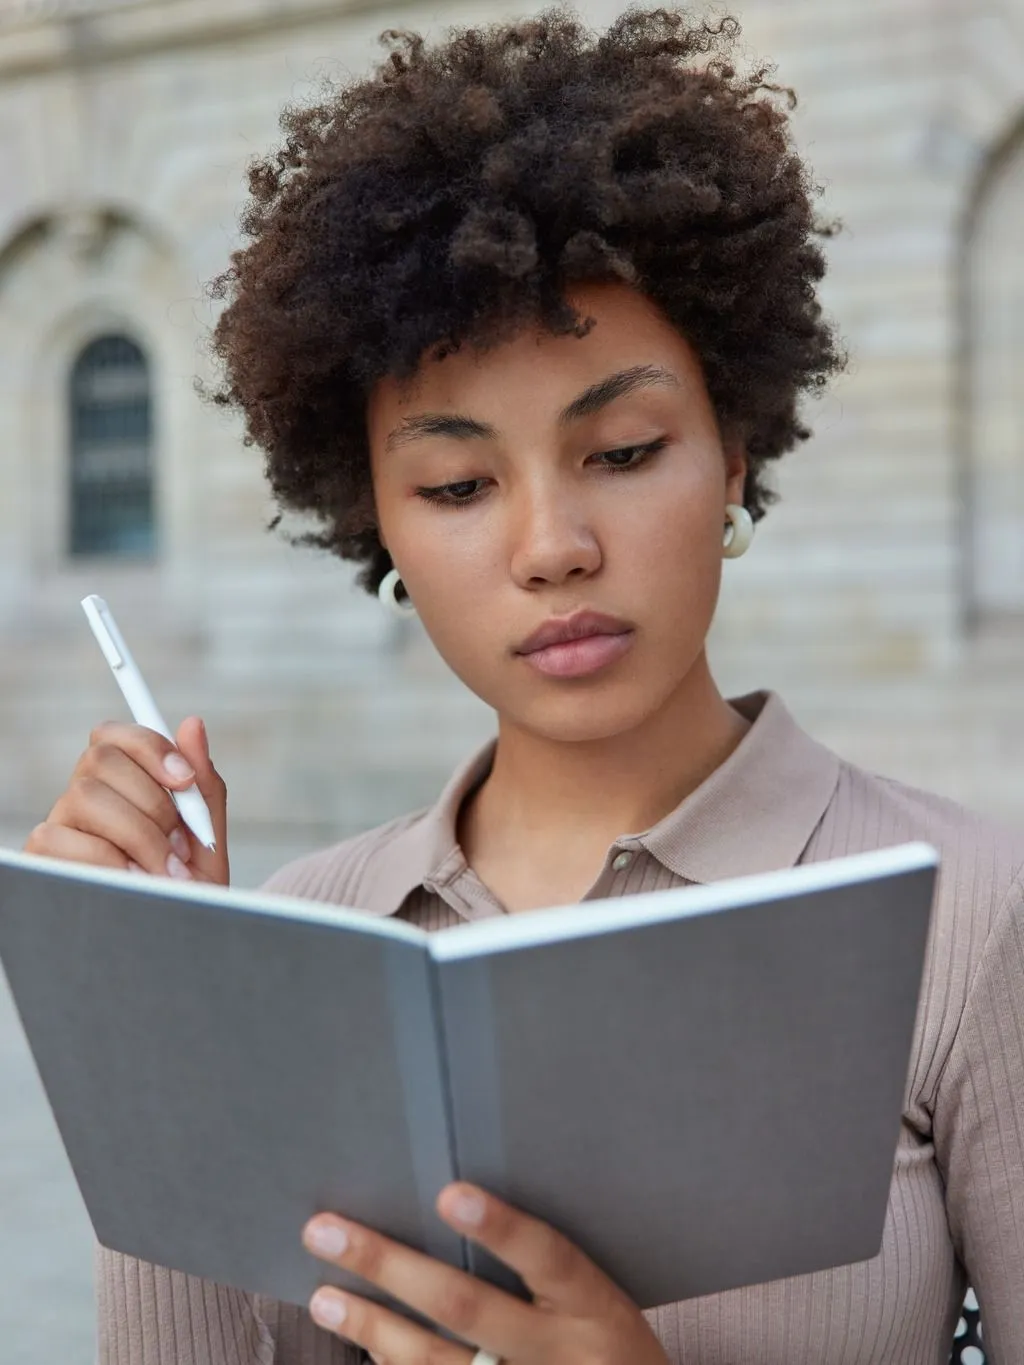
(554, 541)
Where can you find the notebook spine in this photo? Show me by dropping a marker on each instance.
(420, 1054)
(474, 1081)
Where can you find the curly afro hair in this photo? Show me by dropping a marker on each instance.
(455, 195)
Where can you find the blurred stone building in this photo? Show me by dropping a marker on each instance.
(884, 595)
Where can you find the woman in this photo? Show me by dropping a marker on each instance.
(522, 321)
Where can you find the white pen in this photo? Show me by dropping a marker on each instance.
(190, 803)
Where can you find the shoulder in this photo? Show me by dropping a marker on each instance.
(349, 872)
(377, 870)
(979, 892)
(981, 858)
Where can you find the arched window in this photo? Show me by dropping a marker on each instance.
(995, 355)
(111, 467)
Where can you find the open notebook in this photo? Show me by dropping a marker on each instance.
(701, 1087)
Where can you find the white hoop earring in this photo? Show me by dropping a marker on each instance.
(386, 593)
(739, 533)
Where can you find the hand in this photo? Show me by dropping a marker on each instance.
(577, 1317)
(116, 811)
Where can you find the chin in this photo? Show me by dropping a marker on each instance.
(584, 710)
(585, 717)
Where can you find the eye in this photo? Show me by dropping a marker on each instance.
(628, 457)
(453, 494)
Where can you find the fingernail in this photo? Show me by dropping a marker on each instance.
(327, 1239)
(327, 1309)
(468, 1208)
(177, 767)
(180, 844)
(176, 868)
(134, 867)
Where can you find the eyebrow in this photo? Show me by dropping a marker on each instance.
(458, 427)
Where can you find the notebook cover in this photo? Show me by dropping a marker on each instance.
(703, 1102)
(217, 1077)
(700, 1104)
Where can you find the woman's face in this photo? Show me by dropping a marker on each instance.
(520, 486)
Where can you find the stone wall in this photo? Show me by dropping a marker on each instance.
(884, 596)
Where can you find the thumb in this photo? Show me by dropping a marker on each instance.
(192, 741)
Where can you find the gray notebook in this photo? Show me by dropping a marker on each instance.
(701, 1087)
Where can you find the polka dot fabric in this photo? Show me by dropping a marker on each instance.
(967, 1348)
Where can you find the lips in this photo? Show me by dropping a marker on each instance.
(578, 646)
(577, 627)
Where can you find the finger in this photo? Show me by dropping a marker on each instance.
(467, 1306)
(384, 1334)
(118, 770)
(93, 807)
(149, 749)
(58, 841)
(554, 1269)
(194, 745)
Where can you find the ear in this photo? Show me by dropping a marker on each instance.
(363, 515)
(737, 465)
(373, 517)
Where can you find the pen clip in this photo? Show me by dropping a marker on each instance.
(104, 629)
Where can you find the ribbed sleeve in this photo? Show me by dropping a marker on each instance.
(147, 1315)
(979, 1133)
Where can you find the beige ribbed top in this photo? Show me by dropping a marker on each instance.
(956, 1206)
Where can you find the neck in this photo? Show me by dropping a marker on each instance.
(572, 799)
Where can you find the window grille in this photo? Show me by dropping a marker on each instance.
(111, 473)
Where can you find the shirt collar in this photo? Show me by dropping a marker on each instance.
(417, 855)
(755, 813)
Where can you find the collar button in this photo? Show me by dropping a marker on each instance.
(621, 861)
